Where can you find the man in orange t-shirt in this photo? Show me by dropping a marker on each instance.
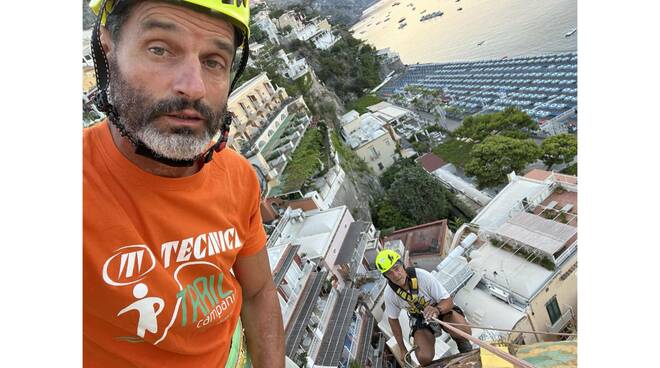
(173, 245)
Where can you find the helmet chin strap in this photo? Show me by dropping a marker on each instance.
(102, 102)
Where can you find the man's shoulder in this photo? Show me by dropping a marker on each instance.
(425, 276)
(91, 132)
(422, 272)
(231, 165)
(231, 160)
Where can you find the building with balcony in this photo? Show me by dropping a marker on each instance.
(324, 40)
(268, 125)
(293, 69)
(526, 260)
(264, 23)
(310, 253)
(371, 139)
(426, 244)
(326, 188)
(391, 114)
(290, 19)
(252, 103)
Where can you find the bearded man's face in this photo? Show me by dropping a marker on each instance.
(169, 77)
(138, 112)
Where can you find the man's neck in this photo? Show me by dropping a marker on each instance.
(151, 166)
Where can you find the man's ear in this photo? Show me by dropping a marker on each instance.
(106, 41)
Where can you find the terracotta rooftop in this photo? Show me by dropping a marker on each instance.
(431, 162)
(429, 237)
(542, 175)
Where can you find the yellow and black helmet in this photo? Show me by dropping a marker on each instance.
(236, 11)
(385, 259)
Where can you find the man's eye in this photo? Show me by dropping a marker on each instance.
(157, 51)
(214, 64)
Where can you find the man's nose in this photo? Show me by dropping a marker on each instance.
(189, 81)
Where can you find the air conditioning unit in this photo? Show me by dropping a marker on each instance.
(499, 293)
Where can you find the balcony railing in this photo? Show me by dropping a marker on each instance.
(253, 139)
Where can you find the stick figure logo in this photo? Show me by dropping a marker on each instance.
(147, 316)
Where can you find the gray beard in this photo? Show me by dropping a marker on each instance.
(137, 111)
(176, 146)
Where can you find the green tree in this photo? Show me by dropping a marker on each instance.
(301, 359)
(418, 196)
(455, 223)
(558, 149)
(276, 13)
(355, 364)
(491, 160)
(256, 34)
(387, 215)
(571, 170)
(510, 122)
(392, 173)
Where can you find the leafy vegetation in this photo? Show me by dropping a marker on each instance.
(413, 197)
(558, 149)
(454, 151)
(570, 170)
(350, 67)
(256, 34)
(305, 162)
(510, 122)
(360, 105)
(491, 160)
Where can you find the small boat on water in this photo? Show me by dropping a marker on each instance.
(431, 15)
(459, 9)
(481, 43)
(569, 34)
(402, 19)
(423, 11)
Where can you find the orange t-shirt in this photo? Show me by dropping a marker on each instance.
(157, 255)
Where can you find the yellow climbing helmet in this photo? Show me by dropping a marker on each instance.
(385, 259)
(237, 11)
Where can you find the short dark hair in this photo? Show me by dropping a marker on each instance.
(117, 17)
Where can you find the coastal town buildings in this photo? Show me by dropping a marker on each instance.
(290, 19)
(525, 261)
(371, 139)
(292, 69)
(267, 25)
(315, 257)
(268, 125)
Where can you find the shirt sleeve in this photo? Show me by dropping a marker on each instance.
(256, 236)
(391, 309)
(436, 290)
